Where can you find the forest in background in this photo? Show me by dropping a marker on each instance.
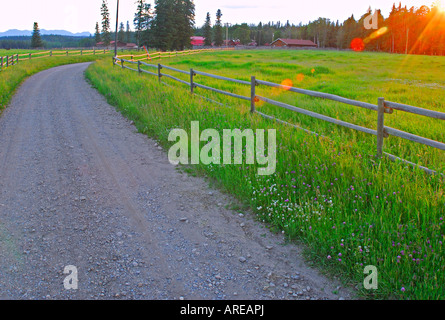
(405, 30)
(171, 23)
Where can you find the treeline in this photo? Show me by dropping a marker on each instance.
(405, 30)
(48, 41)
(167, 26)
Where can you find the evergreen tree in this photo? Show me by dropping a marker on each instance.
(97, 34)
(141, 20)
(36, 41)
(172, 26)
(208, 31)
(218, 30)
(106, 35)
(128, 33)
(184, 20)
(121, 34)
(162, 25)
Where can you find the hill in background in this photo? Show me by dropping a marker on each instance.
(28, 33)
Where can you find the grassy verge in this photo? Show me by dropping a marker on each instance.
(415, 80)
(348, 208)
(12, 77)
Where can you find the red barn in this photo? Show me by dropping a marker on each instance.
(197, 41)
(293, 43)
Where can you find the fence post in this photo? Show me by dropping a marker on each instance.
(81, 52)
(17, 58)
(252, 94)
(30, 56)
(380, 127)
(1, 63)
(50, 53)
(159, 72)
(7, 61)
(122, 63)
(139, 67)
(192, 82)
(67, 53)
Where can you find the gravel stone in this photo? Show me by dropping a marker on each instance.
(79, 187)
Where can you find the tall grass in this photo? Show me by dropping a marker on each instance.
(348, 208)
(12, 77)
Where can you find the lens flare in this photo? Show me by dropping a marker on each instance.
(286, 84)
(440, 6)
(300, 77)
(376, 34)
(357, 45)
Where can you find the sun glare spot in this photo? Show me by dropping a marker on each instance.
(300, 77)
(286, 84)
(357, 45)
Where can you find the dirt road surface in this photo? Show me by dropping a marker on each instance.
(79, 186)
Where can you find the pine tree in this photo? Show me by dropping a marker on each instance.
(106, 35)
(161, 26)
(184, 20)
(172, 26)
(208, 31)
(36, 41)
(218, 30)
(141, 20)
(121, 34)
(97, 34)
(128, 33)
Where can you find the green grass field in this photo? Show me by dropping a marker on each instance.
(414, 80)
(4, 52)
(330, 193)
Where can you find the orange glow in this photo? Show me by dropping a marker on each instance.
(376, 34)
(313, 71)
(300, 77)
(258, 102)
(287, 84)
(357, 45)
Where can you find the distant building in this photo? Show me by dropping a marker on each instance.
(229, 43)
(131, 46)
(119, 44)
(197, 41)
(293, 43)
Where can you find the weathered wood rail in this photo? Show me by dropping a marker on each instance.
(167, 54)
(10, 60)
(382, 107)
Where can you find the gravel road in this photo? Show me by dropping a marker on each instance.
(79, 186)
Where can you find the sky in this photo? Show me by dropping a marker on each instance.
(82, 15)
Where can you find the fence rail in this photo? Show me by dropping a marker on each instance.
(168, 54)
(10, 60)
(382, 107)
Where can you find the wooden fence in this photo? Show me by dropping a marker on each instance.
(168, 54)
(8, 61)
(382, 107)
